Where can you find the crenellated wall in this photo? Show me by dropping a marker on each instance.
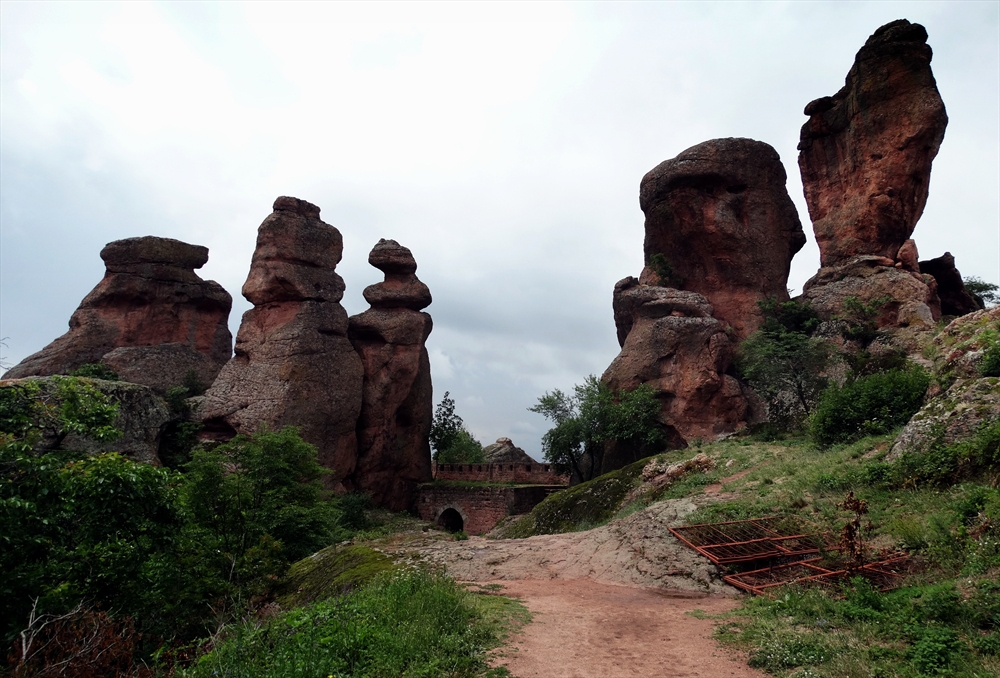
(510, 472)
(480, 507)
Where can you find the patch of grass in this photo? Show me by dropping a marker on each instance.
(583, 506)
(331, 572)
(402, 623)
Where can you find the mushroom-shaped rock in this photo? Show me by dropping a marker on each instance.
(294, 364)
(394, 453)
(150, 298)
(720, 216)
(865, 153)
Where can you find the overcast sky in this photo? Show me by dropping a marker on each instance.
(502, 143)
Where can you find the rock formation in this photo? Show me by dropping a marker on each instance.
(955, 299)
(865, 155)
(142, 418)
(674, 344)
(503, 451)
(394, 454)
(294, 364)
(150, 297)
(720, 215)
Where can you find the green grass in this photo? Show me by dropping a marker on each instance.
(404, 623)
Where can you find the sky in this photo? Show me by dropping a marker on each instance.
(503, 143)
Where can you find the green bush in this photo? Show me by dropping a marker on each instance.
(95, 371)
(868, 405)
(989, 365)
(401, 624)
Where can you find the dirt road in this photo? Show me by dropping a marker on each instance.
(609, 602)
(583, 629)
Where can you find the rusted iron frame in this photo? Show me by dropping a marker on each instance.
(777, 550)
(825, 577)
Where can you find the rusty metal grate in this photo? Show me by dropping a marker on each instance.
(884, 575)
(792, 556)
(747, 541)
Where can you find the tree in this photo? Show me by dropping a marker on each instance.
(593, 416)
(985, 293)
(784, 363)
(452, 442)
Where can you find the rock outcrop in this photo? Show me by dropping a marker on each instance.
(394, 454)
(294, 364)
(865, 153)
(142, 418)
(720, 215)
(955, 299)
(503, 451)
(150, 297)
(674, 344)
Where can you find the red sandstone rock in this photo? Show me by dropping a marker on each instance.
(720, 214)
(394, 454)
(150, 296)
(907, 257)
(955, 299)
(912, 297)
(294, 364)
(679, 349)
(865, 153)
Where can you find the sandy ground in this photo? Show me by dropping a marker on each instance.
(584, 629)
(611, 602)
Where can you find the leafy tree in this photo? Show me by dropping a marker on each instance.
(862, 319)
(592, 417)
(868, 405)
(986, 293)
(452, 442)
(783, 362)
(257, 503)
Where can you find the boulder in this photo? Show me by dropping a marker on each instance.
(865, 153)
(677, 347)
(958, 349)
(721, 216)
(150, 296)
(951, 417)
(294, 365)
(911, 298)
(394, 454)
(142, 417)
(503, 451)
(955, 299)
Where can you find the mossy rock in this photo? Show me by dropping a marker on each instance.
(583, 506)
(331, 572)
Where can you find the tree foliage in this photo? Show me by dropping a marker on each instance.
(986, 293)
(593, 416)
(452, 442)
(784, 362)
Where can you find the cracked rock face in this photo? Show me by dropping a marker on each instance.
(675, 345)
(721, 216)
(865, 153)
(294, 364)
(394, 454)
(150, 297)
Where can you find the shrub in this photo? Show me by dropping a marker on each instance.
(95, 371)
(868, 405)
(989, 365)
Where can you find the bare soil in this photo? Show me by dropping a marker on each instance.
(584, 629)
(609, 602)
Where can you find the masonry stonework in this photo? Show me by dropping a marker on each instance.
(509, 472)
(480, 507)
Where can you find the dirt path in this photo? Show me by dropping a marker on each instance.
(583, 629)
(609, 602)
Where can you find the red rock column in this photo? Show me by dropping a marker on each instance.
(394, 453)
(151, 318)
(720, 214)
(294, 364)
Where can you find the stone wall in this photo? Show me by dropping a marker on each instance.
(511, 472)
(480, 507)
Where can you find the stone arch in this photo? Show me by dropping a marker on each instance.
(452, 518)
